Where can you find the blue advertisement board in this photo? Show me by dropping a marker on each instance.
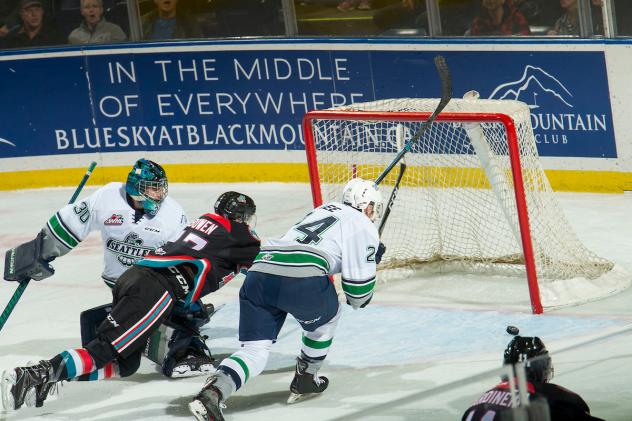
(143, 100)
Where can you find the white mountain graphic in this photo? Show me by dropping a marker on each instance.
(535, 81)
(6, 141)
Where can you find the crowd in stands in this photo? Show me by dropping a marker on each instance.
(29, 23)
(477, 17)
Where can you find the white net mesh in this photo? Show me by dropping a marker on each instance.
(456, 207)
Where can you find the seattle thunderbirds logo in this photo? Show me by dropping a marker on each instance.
(130, 250)
(534, 85)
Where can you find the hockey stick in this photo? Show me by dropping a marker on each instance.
(23, 284)
(399, 136)
(446, 96)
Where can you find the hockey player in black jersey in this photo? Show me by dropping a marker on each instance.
(561, 404)
(210, 252)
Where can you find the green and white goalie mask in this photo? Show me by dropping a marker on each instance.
(147, 184)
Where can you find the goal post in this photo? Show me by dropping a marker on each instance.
(474, 197)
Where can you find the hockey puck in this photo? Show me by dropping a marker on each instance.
(512, 330)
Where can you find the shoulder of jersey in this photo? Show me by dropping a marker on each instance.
(114, 188)
(347, 210)
(172, 204)
(356, 217)
(114, 185)
(220, 220)
(109, 191)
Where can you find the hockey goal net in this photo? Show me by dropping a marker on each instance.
(473, 198)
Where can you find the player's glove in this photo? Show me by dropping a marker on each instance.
(25, 262)
(380, 252)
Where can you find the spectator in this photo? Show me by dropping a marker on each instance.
(499, 17)
(568, 23)
(166, 22)
(9, 17)
(563, 405)
(94, 29)
(349, 5)
(35, 30)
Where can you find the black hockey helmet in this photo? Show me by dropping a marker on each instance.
(235, 206)
(533, 353)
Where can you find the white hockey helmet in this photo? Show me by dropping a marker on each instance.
(359, 193)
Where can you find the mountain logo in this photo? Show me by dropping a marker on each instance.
(535, 83)
(7, 142)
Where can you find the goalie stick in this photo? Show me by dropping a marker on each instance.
(23, 284)
(399, 137)
(446, 96)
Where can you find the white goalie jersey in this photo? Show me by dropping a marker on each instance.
(126, 239)
(333, 238)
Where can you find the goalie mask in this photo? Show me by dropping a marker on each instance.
(235, 206)
(533, 353)
(147, 184)
(359, 194)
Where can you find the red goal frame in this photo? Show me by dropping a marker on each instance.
(514, 156)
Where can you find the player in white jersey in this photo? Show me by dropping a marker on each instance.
(134, 218)
(293, 275)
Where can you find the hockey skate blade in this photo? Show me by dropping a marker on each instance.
(299, 397)
(199, 411)
(8, 381)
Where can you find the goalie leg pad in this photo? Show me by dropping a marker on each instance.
(90, 320)
(25, 262)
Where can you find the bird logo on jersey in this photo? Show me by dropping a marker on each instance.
(128, 251)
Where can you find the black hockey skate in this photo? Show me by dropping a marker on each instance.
(47, 390)
(44, 391)
(26, 385)
(208, 404)
(305, 385)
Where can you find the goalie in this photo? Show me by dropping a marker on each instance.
(209, 252)
(134, 218)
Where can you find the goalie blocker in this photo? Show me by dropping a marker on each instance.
(26, 262)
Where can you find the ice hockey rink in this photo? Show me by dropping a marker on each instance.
(424, 349)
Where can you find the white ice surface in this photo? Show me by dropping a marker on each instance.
(409, 355)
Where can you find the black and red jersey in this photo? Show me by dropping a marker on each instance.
(210, 251)
(563, 404)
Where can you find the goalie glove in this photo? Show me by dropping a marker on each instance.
(379, 253)
(26, 262)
